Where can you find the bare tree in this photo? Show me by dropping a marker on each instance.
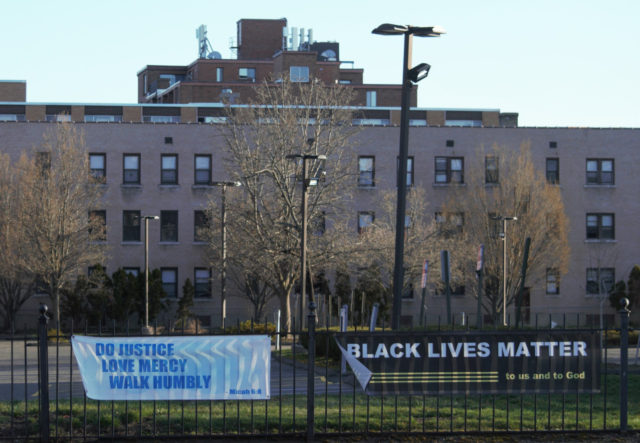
(15, 285)
(57, 194)
(264, 216)
(511, 187)
(427, 232)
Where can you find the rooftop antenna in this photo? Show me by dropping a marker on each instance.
(204, 46)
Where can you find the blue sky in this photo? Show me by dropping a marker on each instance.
(555, 62)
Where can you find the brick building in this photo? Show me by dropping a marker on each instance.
(159, 157)
(266, 50)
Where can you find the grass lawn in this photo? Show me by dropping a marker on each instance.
(349, 412)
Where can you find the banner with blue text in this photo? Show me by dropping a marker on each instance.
(474, 362)
(230, 367)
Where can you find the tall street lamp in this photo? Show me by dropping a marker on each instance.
(503, 235)
(410, 75)
(223, 241)
(146, 219)
(306, 183)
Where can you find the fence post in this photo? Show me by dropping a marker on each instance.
(624, 362)
(43, 364)
(311, 326)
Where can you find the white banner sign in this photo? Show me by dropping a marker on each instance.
(230, 367)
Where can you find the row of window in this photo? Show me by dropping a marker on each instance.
(599, 226)
(201, 279)
(451, 170)
(599, 281)
(131, 225)
(168, 168)
(298, 74)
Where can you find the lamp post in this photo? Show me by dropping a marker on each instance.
(409, 77)
(146, 219)
(504, 264)
(223, 241)
(306, 183)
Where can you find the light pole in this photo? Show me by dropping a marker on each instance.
(306, 183)
(146, 219)
(311, 325)
(504, 264)
(409, 77)
(223, 241)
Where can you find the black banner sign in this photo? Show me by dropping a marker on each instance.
(468, 362)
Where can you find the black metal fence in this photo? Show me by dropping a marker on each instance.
(42, 397)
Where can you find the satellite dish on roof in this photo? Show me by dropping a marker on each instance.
(214, 55)
(329, 55)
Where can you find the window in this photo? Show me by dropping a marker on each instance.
(299, 74)
(450, 224)
(553, 144)
(219, 75)
(102, 118)
(372, 99)
(131, 169)
(98, 167)
(132, 271)
(553, 281)
(318, 223)
(365, 220)
(168, 140)
(203, 170)
(248, 74)
(450, 143)
(169, 172)
(58, 118)
(600, 171)
(449, 170)
(600, 280)
(408, 291)
(130, 225)
(409, 170)
(43, 161)
(161, 118)
(366, 170)
(98, 225)
(200, 226)
(553, 171)
(169, 226)
(457, 289)
(491, 169)
(170, 281)
(600, 226)
(93, 272)
(202, 278)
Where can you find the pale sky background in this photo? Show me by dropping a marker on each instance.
(555, 62)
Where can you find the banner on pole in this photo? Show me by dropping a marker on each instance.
(230, 367)
(425, 271)
(462, 362)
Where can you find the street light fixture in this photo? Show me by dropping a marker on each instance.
(410, 75)
(306, 183)
(146, 219)
(223, 233)
(504, 264)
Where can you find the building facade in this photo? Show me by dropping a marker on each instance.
(161, 155)
(167, 170)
